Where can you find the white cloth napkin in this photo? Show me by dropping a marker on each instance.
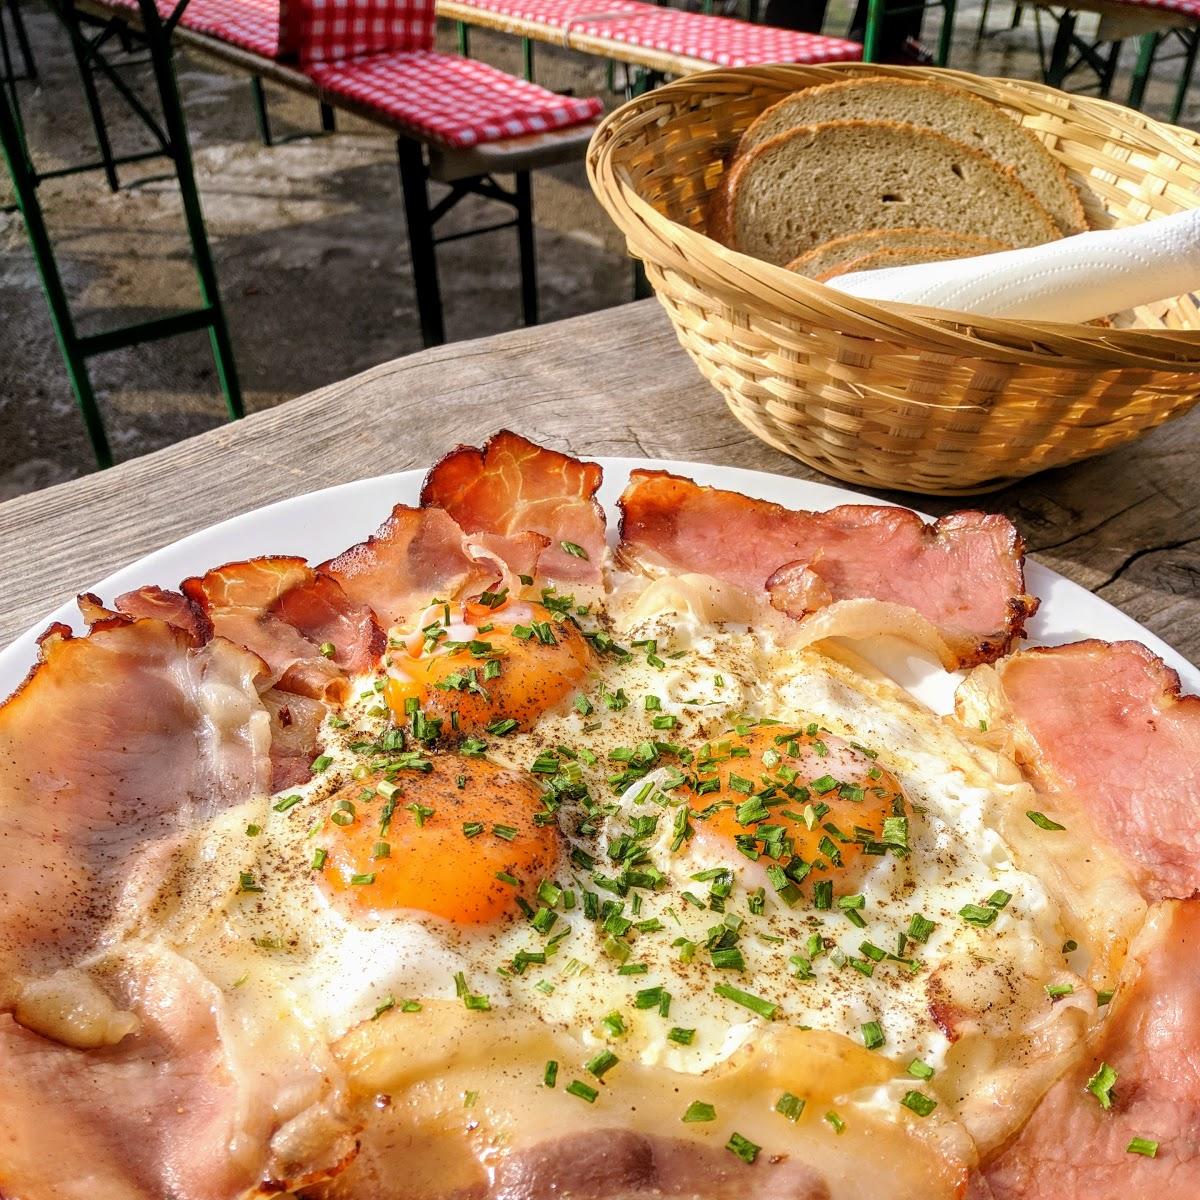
(1074, 279)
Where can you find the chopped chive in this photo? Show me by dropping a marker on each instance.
(318, 859)
(584, 1091)
(699, 1111)
(1101, 1084)
(839, 1126)
(920, 927)
(602, 1063)
(574, 550)
(789, 1106)
(742, 1148)
(756, 1004)
(550, 1075)
(286, 802)
(977, 914)
(1057, 990)
(919, 1103)
(681, 1037)
(365, 878)
(319, 764)
(1143, 1146)
(872, 1035)
(327, 649)
(919, 1070)
(1043, 822)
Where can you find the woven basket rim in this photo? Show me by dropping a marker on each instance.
(1059, 344)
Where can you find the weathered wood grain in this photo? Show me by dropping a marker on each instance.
(1127, 525)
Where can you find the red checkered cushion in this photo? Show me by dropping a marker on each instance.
(722, 41)
(452, 100)
(333, 30)
(251, 24)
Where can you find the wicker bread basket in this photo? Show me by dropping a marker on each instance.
(891, 395)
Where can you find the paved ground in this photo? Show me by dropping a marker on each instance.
(310, 249)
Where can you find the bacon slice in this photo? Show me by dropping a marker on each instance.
(1106, 730)
(420, 553)
(115, 743)
(1072, 1148)
(281, 610)
(963, 574)
(173, 607)
(511, 485)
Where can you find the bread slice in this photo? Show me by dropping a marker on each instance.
(875, 260)
(949, 110)
(816, 182)
(830, 257)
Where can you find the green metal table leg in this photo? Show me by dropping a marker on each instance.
(525, 245)
(25, 187)
(415, 188)
(22, 35)
(527, 58)
(1056, 72)
(159, 41)
(328, 118)
(70, 18)
(1147, 48)
(947, 34)
(464, 38)
(262, 118)
(873, 30)
(1191, 38)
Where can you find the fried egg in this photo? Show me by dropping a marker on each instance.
(660, 835)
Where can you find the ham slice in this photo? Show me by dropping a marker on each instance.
(173, 1109)
(1073, 1148)
(421, 553)
(173, 607)
(281, 610)
(511, 486)
(114, 745)
(124, 1072)
(1104, 730)
(963, 573)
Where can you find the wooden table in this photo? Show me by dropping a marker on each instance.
(1126, 526)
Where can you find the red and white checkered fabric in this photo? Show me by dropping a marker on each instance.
(722, 41)
(251, 24)
(334, 30)
(452, 100)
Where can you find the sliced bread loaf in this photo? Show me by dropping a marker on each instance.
(949, 110)
(816, 182)
(831, 256)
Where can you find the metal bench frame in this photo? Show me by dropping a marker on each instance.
(172, 142)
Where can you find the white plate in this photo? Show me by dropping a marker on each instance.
(321, 524)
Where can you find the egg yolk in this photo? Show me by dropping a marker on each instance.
(458, 841)
(813, 794)
(515, 670)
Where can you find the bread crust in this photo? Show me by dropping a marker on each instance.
(854, 245)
